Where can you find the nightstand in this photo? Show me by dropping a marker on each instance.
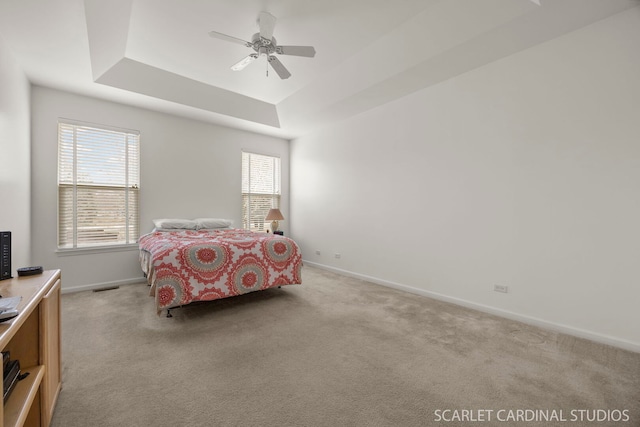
(279, 232)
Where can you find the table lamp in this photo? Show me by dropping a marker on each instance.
(274, 216)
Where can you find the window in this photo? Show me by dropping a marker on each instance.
(98, 186)
(260, 189)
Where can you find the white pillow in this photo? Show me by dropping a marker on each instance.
(175, 224)
(213, 223)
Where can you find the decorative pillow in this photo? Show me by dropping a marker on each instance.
(213, 223)
(175, 224)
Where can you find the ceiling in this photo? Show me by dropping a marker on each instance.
(157, 53)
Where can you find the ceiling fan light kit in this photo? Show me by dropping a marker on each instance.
(264, 44)
(244, 62)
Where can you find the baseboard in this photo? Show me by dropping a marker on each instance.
(569, 330)
(94, 286)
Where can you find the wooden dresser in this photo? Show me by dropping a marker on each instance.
(33, 338)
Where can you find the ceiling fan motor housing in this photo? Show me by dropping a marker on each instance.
(262, 45)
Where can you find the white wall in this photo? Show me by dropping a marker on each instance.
(525, 173)
(188, 168)
(15, 166)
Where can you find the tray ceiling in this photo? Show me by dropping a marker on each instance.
(157, 53)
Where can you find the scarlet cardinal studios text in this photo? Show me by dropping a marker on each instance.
(531, 415)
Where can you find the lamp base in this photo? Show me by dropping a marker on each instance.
(274, 226)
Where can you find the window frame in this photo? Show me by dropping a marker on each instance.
(276, 196)
(130, 213)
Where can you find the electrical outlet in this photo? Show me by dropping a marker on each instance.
(317, 252)
(338, 256)
(501, 288)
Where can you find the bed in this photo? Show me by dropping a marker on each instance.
(185, 266)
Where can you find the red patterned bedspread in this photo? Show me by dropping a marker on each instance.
(188, 265)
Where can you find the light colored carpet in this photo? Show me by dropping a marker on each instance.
(334, 351)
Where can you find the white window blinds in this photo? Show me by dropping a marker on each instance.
(98, 186)
(260, 189)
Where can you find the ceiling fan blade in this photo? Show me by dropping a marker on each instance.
(244, 62)
(307, 51)
(267, 23)
(217, 35)
(279, 68)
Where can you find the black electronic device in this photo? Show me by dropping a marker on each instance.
(10, 378)
(5, 255)
(6, 357)
(30, 271)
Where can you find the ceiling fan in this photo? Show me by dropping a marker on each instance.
(265, 45)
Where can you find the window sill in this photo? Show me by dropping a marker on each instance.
(97, 250)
